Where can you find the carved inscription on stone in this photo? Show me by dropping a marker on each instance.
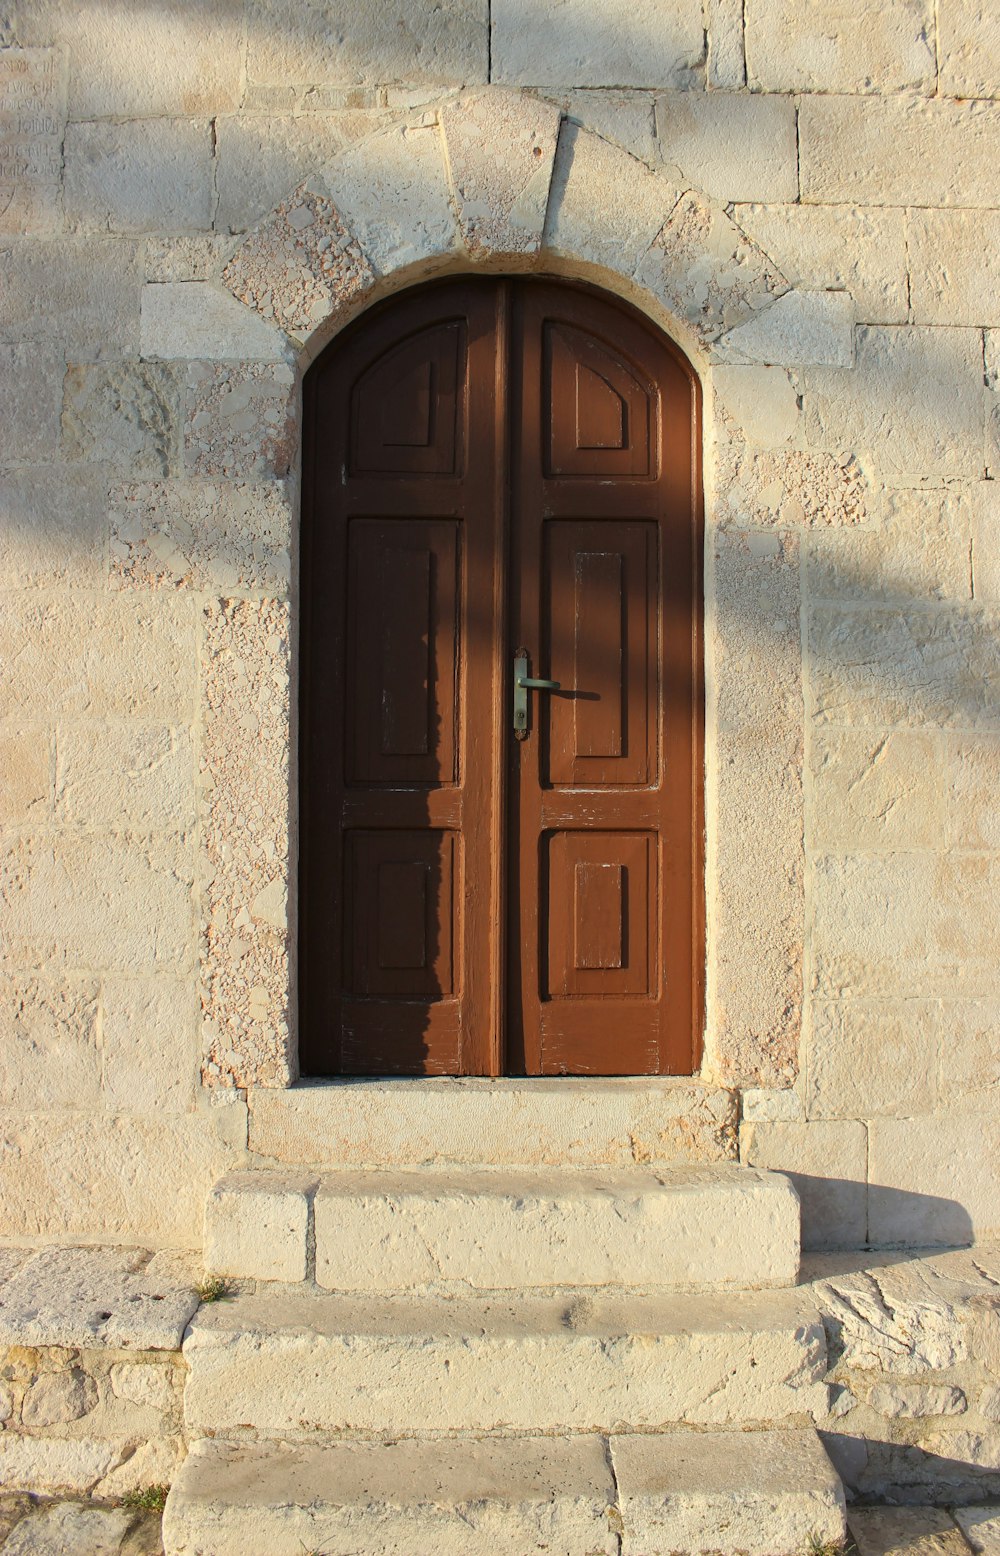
(32, 124)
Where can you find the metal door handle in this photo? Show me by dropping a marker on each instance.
(523, 682)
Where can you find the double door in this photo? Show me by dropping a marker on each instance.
(500, 487)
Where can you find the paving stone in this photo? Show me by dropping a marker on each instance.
(823, 48)
(981, 1527)
(141, 176)
(697, 131)
(905, 1531)
(95, 1296)
(630, 44)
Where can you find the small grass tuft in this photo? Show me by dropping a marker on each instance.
(819, 1547)
(151, 1499)
(212, 1289)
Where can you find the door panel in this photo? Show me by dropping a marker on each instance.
(494, 466)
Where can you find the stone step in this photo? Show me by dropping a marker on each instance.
(289, 1362)
(683, 1227)
(758, 1494)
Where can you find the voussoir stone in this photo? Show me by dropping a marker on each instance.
(501, 147)
(592, 175)
(391, 191)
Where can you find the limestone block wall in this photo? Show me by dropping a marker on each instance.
(192, 201)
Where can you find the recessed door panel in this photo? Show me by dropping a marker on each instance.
(602, 914)
(406, 407)
(598, 410)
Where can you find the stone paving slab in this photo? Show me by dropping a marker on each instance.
(30, 1526)
(124, 1298)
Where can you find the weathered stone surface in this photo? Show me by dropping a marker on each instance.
(500, 149)
(240, 421)
(125, 415)
(32, 126)
(985, 510)
(840, 246)
(697, 132)
(702, 1226)
(939, 1184)
(788, 488)
(30, 394)
(26, 758)
(914, 399)
(119, 1298)
(969, 40)
(981, 1527)
(589, 174)
(758, 405)
(145, 1384)
(13, 1507)
(905, 1319)
(257, 1225)
(627, 118)
(954, 272)
(123, 61)
(301, 266)
(140, 176)
(150, 1042)
(244, 774)
(190, 257)
(905, 1531)
(901, 150)
(875, 789)
(117, 774)
(457, 1498)
(756, 1493)
(392, 193)
(261, 157)
(973, 791)
(799, 327)
(635, 44)
(765, 1104)
(69, 1526)
(153, 1463)
(49, 1043)
(905, 925)
(499, 1123)
(882, 666)
(969, 1054)
(868, 1057)
(289, 1363)
(372, 42)
(827, 1163)
(80, 294)
(921, 552)
(193, 319)
(912, 1400)
(827, 49)
(726, 66)
(702, 267)
(58, 1397)
(54, 524)
(75, 655)
(216, 536)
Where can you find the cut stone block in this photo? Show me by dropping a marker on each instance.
(124, 1298)
(257, 1225)
(715, 1493)
(286, 1362)
(905, 1531)
(624, 43)
(702, 1226)
(193, 319)
(493, 1498)
(501, 147)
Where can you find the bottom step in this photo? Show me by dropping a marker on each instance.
(756, 1493)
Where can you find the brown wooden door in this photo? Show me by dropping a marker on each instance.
(493, 466)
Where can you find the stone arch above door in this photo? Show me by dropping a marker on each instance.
(501, 180)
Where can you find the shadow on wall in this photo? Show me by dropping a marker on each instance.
(876, 1470)
(896, 1218)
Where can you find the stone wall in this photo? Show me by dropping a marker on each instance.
(192, 200)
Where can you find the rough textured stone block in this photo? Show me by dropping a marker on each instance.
(824, 48)
(191, 257)
(322, 43)
(969, 42)
(125, 415)
(26, 763)
(981, 1527)
(495, 1123)
(899, 151)
(875, 789)
(216, 536)
(588, 172)
(54, 523)
(150, 1035)
(954, 270)
(936, 1184)
(701, 1226)
(81, 294)
(637, 44)
(501, 148)
(868, 1057)
(86, 655)
(59, 1397)
(973, 791)
(714, 1493)
(920, 552)
(886, 665)
(905, 1531)
(121, 775)
(757, 404)
(195, 319)
(52, 1464)
(32, 127)
(115, 1298)
(262, 157)
(257, 1225)
(278, 1359)
(799, 327)
(240, 421)
(911, 1400)
(123, 60)
(787, 488)
(857, 250)
(913, 399)
(627, 118)
(392, 191)
(906, 925)
(827, 1162)
(30, 394)
(697, 132)
(50, 1051)
(985, 504)
(140, 176)
(455, 1498)
(726, 65)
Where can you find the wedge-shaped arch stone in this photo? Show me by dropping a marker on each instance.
(605, 206)
(501, 147)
